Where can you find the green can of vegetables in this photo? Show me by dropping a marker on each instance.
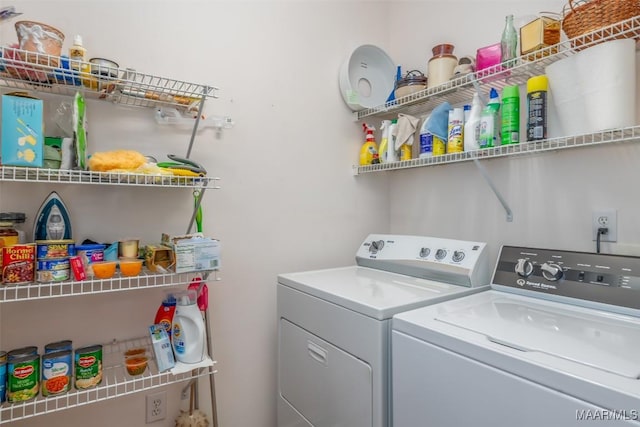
(88, 364)
(23, 379)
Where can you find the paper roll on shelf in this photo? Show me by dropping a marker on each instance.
(595, 89)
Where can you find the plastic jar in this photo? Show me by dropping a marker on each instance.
(8, 234)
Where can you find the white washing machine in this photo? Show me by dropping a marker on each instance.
(334, 324)
(554, 343)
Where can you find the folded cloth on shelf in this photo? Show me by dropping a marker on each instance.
(405, 130)
(438, 121)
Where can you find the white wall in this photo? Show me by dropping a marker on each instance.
(288, 200)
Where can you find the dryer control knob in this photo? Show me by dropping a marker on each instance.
(552, 272)
(424, 252)
(457, 256)
(440, 254)
(524, 267)
(375, 246)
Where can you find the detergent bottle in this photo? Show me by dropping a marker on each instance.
(164, 315)
(189, 335)
(369, 150)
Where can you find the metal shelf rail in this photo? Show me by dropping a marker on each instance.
(116, 382)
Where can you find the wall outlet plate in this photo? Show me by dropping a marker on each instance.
(605, 218)
(156, 406)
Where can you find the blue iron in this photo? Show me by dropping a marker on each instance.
(52, 221)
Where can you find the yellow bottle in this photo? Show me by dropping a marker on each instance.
(369, 150)
(78, 59)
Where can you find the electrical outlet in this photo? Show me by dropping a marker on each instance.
(156, 406)
(605, 218)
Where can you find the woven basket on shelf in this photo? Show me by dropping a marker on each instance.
(584, 16)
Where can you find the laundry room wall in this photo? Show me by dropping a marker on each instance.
(288, 200)
(552, 195)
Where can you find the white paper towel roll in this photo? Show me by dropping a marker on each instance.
(595, 89)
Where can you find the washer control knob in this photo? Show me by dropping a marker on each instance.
(551, 272)
(440, 254)
(524, 267)
(424, 252)
(457, 256)
(375, 246)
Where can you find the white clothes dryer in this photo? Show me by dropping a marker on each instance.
(334, 324)
(554, 343)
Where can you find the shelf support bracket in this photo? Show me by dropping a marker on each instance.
(487, 178)
(195, 125)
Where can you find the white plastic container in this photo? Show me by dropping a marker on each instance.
(472, 125)
(189, 336)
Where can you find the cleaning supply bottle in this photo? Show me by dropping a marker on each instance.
(392, 153)
(509, 43)
(369, 150)
(489, 128)
(387, 151)
(164, 315)
(537, 108)
(78, 58)
(472, 125)
(189, 336)
(455, 142)
(510, 129)
(404, 152)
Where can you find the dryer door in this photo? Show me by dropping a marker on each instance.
(326, 385)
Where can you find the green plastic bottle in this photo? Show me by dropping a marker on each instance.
(510, 129)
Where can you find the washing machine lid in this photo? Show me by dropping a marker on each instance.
(592, 338)
(374, 293)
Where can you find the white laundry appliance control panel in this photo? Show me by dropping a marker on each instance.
(601, 278)
(452, 261)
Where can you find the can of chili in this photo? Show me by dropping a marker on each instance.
(18, 264)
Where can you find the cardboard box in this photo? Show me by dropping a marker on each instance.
(159, 257)
(162, 349)
(22, 131)
(197, 254)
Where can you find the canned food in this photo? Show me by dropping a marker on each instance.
(18, 264)
(3, 380)
(23, 378)
(3, 356)
(56, 372)
(20, 352)
(58, 346)
(47, 249)
(90, 254)
(88, 364)
(52, 270)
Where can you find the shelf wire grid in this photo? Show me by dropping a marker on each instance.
(628, 134)
(147, 279)
(26, 70)
(460, 90)
(116, 382)
(24, 174)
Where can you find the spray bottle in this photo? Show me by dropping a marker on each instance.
(384, 141)
(489, 124)
(472, 125)
(188, 339)
(369, 150)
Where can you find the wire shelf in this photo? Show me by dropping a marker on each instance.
(461, 89)
(23, 174)
(145, 280)
(629, 134)
(26, 70)
(116, 382)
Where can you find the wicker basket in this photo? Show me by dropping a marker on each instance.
(584, 16)
(45, 40)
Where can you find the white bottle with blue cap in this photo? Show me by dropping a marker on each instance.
(189, 336)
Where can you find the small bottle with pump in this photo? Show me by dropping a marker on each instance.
(489, 124)
(369, 150)
(78, 57)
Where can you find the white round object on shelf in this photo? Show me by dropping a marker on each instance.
(367, 77)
